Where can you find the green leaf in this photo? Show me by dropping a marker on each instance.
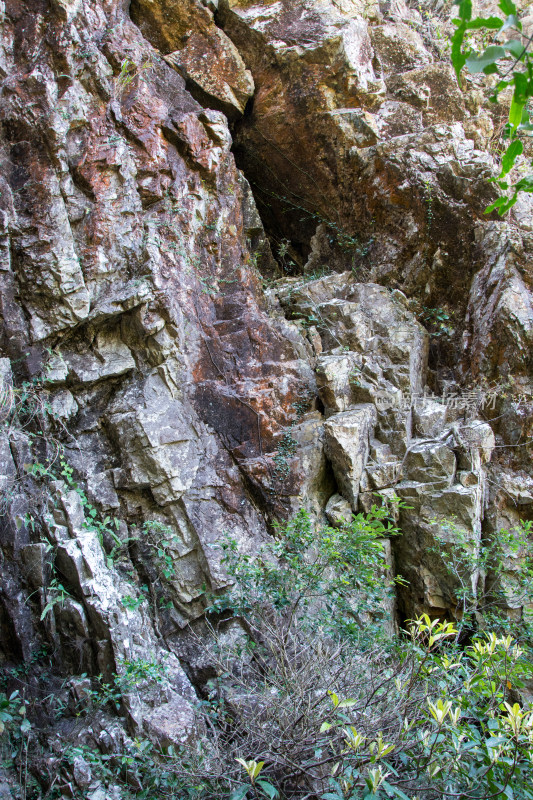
(497, 204)
(457, 55)
(520, 97)
(507, 6)
(509, 204)
(394, 791)
(494, 23)
(346, 703)
(477, 63)
(514, 150)
(465, 9)
(239, 794)
(495, 741)
(257, 769)
(48, 607)
(512, 21)
(25, 726)
(515, 47)
(268, 789)
(525, 184)
(334, 699)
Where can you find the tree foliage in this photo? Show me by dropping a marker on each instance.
(511, 61)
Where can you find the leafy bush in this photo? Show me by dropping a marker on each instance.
(314, 704)
(331, 583)
(310, 700)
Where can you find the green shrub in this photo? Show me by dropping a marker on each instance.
(310, 700)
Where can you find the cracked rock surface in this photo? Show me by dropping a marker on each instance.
(244, 268)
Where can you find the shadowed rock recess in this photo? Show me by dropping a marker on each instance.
(244, 269)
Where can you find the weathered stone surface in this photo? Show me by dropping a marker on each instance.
(185, 32)
(430, 462)
(338, 510)
(452, 515)
(171, 723)
(499, 324)
(477, 442)
(399, 47)
(110, 357)
(373, 349)
(429, 417)
(336, 374)
(131, 253)
(125, 632)
(347, 445)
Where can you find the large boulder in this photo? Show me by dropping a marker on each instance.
(347, 443)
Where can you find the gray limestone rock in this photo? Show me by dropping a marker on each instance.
(430, 462)
(429, 417)
(338, 510)
(347, 446)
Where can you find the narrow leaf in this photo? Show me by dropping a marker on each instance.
(494, 23)
(257, 769)
(512, 21)
(347, 703)
(465, 9)
(497, 204)
(507, 6)
(515, 47)
(457, 55)
(514, 150)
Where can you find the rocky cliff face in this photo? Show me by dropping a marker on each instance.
(244, 268)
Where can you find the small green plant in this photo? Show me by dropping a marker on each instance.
(355, 375)
(286, 449)
(15, 733)
(132, 675)
(13, 715)
(162, 540)
(133, 603)
(339, 572)
(129, 71)
(106, 527)
(56, 595)
(288, 444)
(437, 320)
(259, 787)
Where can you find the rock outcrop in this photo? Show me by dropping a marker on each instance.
(244, 268)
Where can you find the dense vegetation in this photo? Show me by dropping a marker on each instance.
(313, 695)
